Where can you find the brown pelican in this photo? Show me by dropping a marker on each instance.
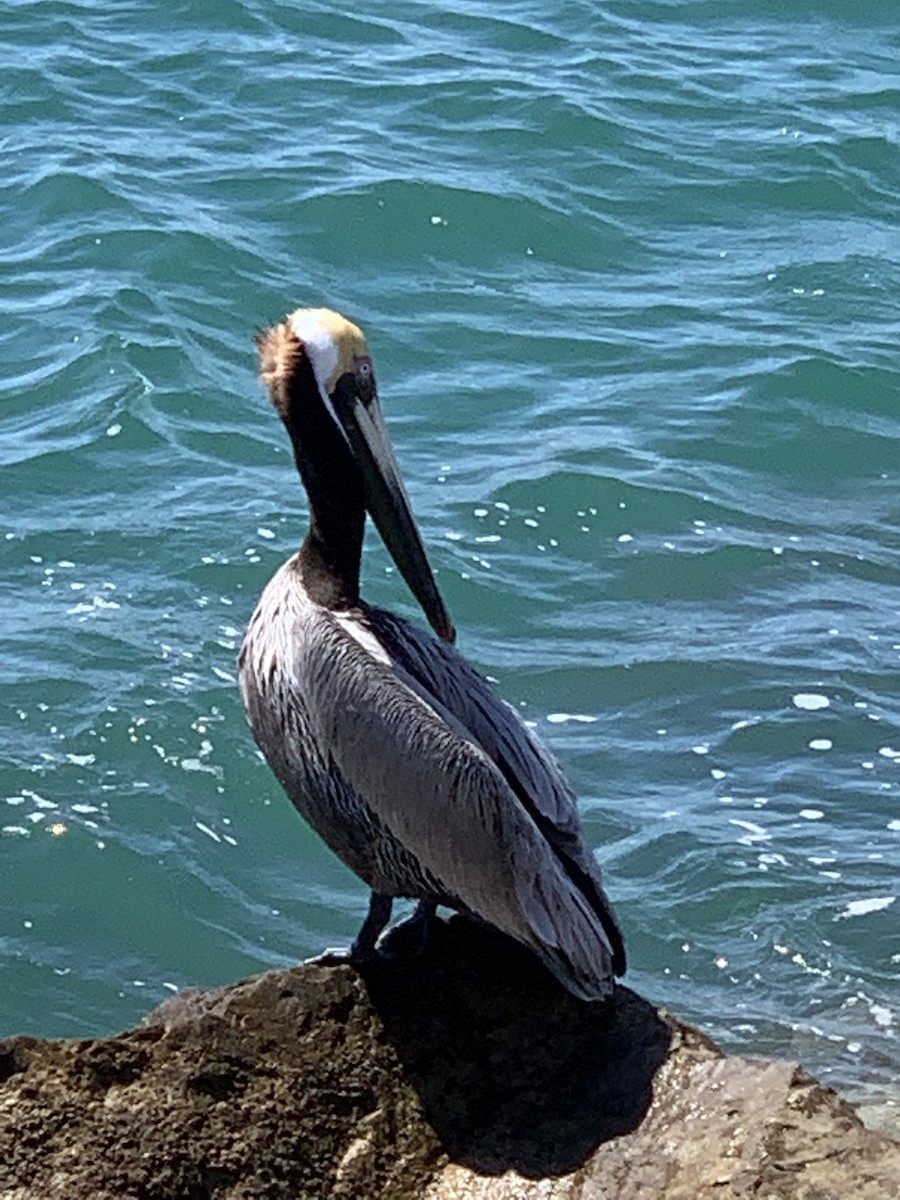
(396, 751)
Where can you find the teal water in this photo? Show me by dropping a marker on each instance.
(630, 273)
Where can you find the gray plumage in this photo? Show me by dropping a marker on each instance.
(401, 755)
(409, 766)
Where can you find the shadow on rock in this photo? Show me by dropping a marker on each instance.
(512, 1071)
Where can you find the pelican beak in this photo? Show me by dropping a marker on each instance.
(355, 403)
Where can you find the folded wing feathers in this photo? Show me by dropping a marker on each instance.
(459, 780)
(529, 769)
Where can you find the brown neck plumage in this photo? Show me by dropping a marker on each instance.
(330, 556)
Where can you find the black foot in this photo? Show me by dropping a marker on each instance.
(405, 940)
(408, 939)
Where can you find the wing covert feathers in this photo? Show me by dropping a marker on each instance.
(450, 770)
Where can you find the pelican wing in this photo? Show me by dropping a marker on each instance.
(457, 779)
(529, 769)
(528, 766)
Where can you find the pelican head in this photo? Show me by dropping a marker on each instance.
(317, 366)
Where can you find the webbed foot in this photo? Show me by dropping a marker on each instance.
(408, 938)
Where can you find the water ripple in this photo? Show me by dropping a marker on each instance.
(630, 277)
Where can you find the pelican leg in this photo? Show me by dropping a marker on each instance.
(377, 917)
(363, 946)
(408, 939)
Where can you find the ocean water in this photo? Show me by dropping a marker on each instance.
(631, 277)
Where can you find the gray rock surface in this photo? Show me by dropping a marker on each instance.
(466, 1073)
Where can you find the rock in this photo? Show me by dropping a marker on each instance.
(467, 1073)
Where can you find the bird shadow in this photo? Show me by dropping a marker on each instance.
(511, 1070)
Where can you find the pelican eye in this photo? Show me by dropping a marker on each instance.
(364, 376)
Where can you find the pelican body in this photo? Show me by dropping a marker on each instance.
(395, 750)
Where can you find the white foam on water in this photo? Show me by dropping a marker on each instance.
(860, 908)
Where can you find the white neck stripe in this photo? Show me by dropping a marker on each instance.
(320, 346)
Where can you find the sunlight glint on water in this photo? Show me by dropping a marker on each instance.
(630, 275)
